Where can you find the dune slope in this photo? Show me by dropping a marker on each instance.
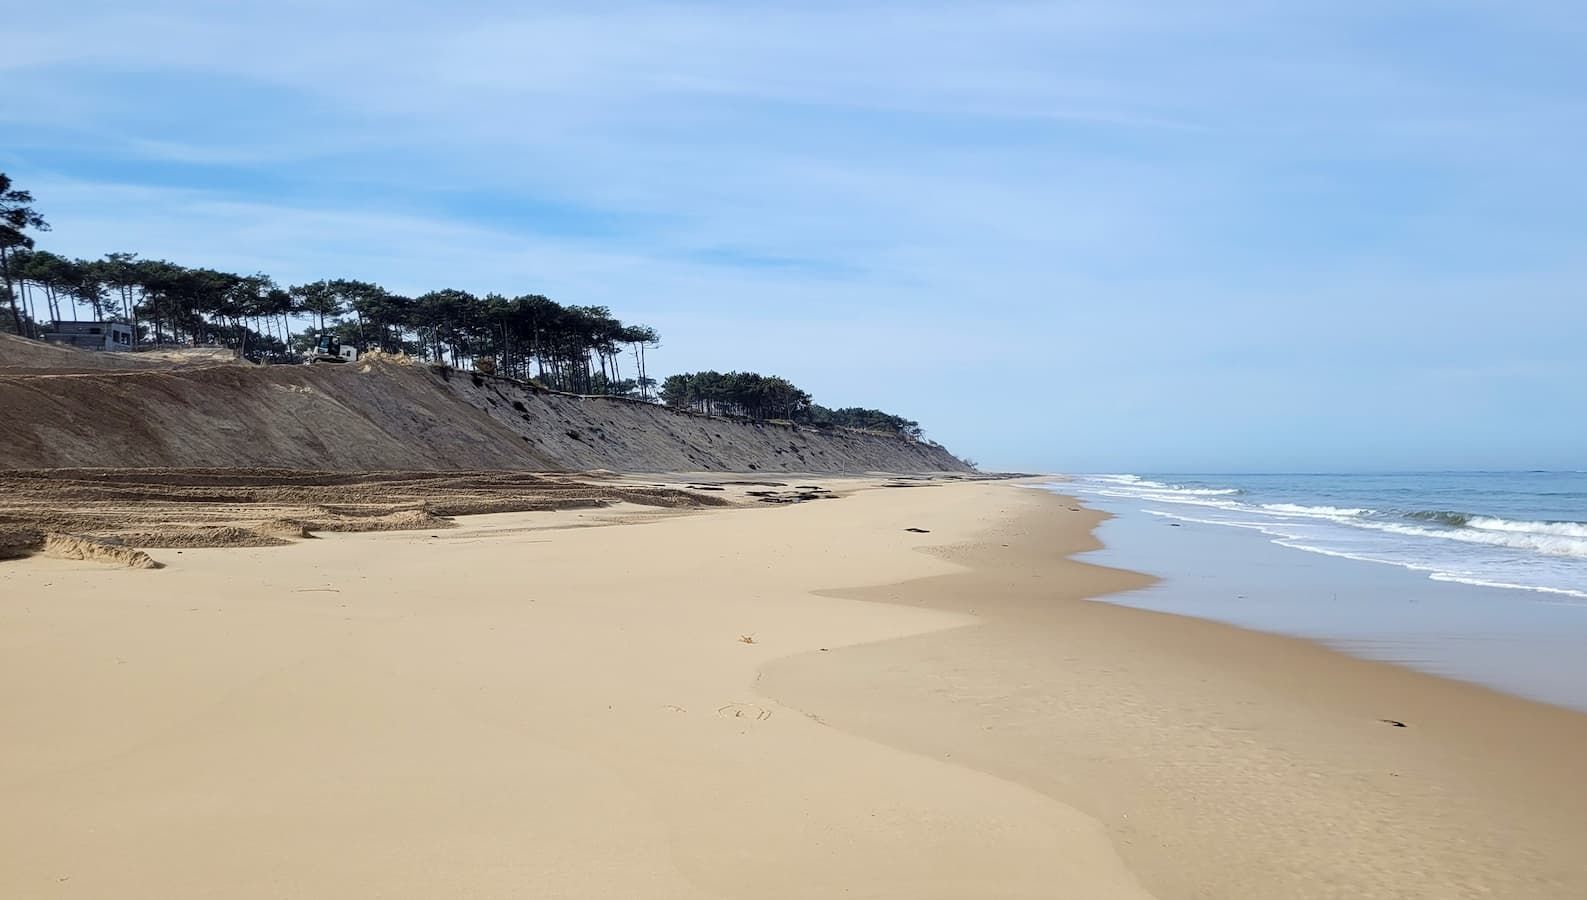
(67, 408)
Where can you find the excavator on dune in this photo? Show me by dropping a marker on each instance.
(330, 349)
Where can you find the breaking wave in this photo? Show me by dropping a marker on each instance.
(1562, 529)
(1452, 519)
(1550, 544)
(1148, 486)
(1293, 509)
(1449, 544)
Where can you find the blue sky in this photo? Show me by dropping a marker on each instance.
(1112, 236)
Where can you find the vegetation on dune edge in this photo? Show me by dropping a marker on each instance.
(576, 349)
(769, 397)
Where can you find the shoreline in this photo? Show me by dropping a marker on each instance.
(692, 704)
(1518, 643)
(1478, 792)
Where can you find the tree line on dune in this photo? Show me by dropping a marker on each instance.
(577, 349)
(571, 348)
(758, 396)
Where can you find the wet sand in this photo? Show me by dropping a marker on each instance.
(1223, 762)
(698, 703)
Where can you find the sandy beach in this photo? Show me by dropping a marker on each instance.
(793, 451)
(803, 700)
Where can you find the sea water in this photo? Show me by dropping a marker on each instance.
(1474, 575)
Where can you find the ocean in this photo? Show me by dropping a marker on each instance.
(1480, 576)
(1522, 531)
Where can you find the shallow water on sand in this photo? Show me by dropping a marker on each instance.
(1523, 531)
(1529, 643)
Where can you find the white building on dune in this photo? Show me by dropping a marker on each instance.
(91, 335)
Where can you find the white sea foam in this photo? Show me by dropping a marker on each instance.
(1434, 573)
(1264, 527)
(1331, 512)
(1481, 582)
(1567, 539)
(1301, 532)
(1558, 529)
(1552, 545)
(1142, 486)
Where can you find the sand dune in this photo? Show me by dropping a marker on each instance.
(67, 408)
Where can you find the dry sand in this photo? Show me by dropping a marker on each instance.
(21, 356)
(692, 704)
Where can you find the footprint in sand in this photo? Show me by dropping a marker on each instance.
(744, 711)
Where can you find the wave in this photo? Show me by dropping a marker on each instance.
(1264, 527)
(1173, 491)
(1294, 509)
(1567, 539)
(1528, 535)
(1480, 582)
(1450, 545)
(1147, 486)
(1442, 517)
(1494, 523)
(1558, 529)
(1548, 544)
(1434, 570)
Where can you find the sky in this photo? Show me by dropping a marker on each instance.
(1120, 236)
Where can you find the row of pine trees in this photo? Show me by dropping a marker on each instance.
(578, 349)
(770, 397)
(572, 348)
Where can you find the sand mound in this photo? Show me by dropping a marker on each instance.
(369, 520)
(157, 508)
(397, 359)
(120, 549)
(201, 536)
(19, 356)
(66, 546)
(284, 528)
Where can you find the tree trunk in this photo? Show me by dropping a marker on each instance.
(5, 271)
(28, 306)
